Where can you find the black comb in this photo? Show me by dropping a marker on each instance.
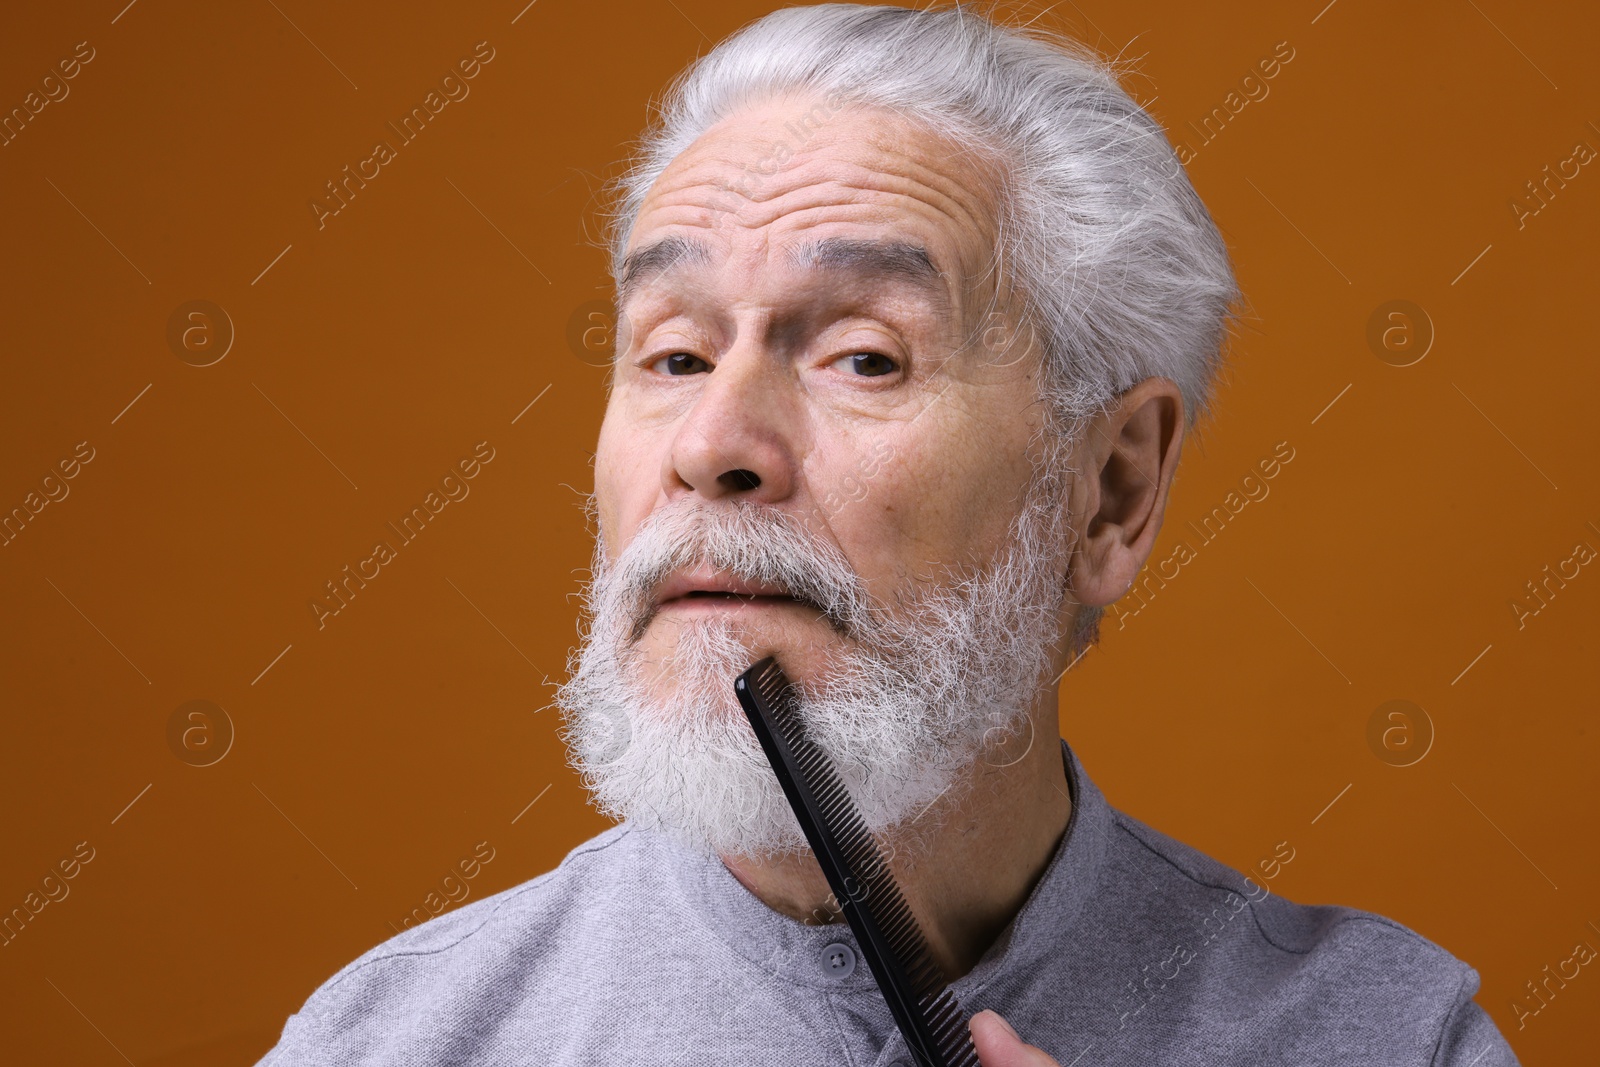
(927, 1012)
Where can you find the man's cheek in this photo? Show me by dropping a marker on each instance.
(632, 463)
(608, 498)
(606, 465)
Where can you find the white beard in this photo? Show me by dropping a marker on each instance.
(914, 697)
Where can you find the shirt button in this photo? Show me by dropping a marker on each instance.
(838, 961)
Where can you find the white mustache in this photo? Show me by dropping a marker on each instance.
(754, 542)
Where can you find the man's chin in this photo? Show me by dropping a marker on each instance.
(683, 657)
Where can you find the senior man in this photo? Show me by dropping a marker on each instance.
(917, 310)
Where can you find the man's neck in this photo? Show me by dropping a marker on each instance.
(974, 877)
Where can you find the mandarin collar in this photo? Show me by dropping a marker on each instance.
(799, 953)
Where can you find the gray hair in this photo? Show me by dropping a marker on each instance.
(1120, 270)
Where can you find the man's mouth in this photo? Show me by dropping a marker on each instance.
(722, 598)
(705, 587)
(706, 591)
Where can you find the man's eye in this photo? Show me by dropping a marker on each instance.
(682, 363)
(870, 364)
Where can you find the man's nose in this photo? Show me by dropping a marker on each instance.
(736, 440)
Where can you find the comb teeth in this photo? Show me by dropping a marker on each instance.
(926, 1010)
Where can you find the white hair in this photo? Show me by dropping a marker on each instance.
(1120, 271)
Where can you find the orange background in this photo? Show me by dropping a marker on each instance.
(371, 755)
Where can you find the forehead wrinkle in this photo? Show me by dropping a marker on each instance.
(711, 180)
(896, 189)
(874, 180)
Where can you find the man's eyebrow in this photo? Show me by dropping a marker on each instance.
(865, 258)
(656, 257)
(898, 259)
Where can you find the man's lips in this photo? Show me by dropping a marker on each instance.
(705, 590)
(714, 601)
(716, 587)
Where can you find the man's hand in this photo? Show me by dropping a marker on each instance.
(999, 1046)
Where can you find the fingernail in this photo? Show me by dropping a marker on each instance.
(1001, 1019)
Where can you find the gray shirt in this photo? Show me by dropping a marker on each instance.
(1132, 949)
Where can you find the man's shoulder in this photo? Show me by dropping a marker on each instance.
(1234, 948)
(1179, 879)
(584, 880)
(483, 946)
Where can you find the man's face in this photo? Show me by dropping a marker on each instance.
(821, 430)
(812, 346)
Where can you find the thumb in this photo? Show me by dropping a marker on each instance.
(999, 1046)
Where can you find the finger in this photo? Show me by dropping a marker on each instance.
(999, 1046)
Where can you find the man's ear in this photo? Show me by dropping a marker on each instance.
(1128, 455)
